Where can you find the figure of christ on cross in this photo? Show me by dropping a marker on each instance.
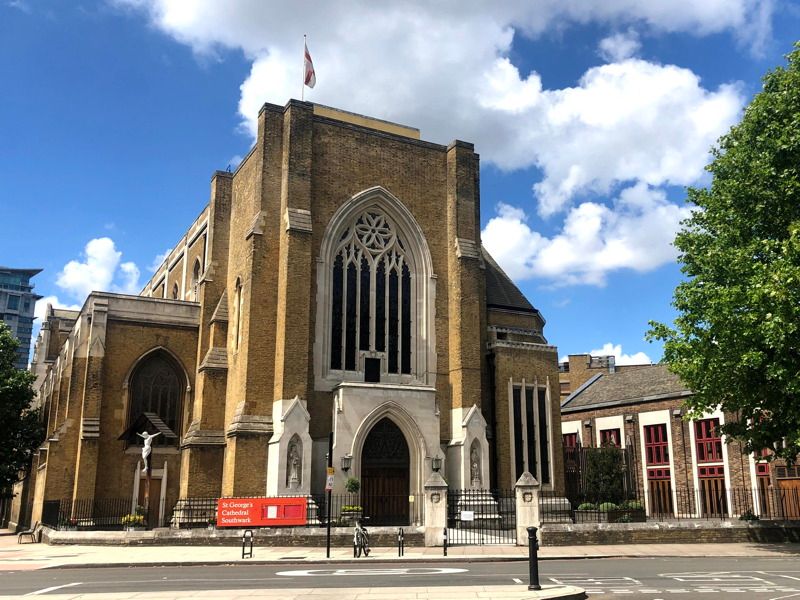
(147, 448)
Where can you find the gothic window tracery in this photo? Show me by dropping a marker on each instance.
(373, 287)
(156, 386)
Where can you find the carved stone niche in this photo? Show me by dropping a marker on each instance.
(289, 459)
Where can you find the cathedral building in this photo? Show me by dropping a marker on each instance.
(335, 282)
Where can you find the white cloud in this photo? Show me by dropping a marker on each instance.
(595, 240)
(445, 67)
(158, 260)
(629, 121)
(615, 350)
(40, 308)
(20, 5)
(619, 46)
(99, 269)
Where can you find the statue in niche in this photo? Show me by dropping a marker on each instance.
(475, 467)
(294, 465)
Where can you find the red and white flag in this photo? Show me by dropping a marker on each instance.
(310, 76)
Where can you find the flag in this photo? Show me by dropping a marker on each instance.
(310, 76)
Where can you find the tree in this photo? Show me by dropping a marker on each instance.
(21, 431)
(736, 339)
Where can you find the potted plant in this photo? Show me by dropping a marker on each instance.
(352, 485)
(212, 523)
(132, 522)
(630, 511)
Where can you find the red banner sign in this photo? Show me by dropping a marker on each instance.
(261, 512)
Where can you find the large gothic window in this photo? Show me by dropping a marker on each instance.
(156, 386)
(376, 293)
(372, 288)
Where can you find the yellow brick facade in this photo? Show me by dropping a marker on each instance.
(246, 333)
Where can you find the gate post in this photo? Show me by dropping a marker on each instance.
(527, 506)
(435, 509)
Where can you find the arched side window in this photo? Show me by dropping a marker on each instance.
(195, 279)
(157, 386)
(375, 296)
(237, 315)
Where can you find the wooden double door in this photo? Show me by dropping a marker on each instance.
(385, 467)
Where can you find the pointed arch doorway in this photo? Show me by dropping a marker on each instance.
(385, 469)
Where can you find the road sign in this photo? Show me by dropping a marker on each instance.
(329, 483)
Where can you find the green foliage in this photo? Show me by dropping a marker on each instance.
(22, 431)
(587, 506)
(736, 339)
(632, 505)
(607, 506)
(604, 475)
(748, 515)
(352, 485)
(351, 508)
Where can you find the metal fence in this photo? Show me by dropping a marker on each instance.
(389, 510)
(476, 517)
(118, 513)
(95, 514)
(657, 504)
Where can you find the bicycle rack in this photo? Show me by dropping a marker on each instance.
(247, 538)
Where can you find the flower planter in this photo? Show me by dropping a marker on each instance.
(618, 515)
(349, 517)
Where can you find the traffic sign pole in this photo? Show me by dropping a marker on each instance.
(329, 488)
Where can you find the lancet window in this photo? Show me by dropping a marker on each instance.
(372, 287)
(156, 386)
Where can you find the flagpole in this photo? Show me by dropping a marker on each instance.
(303, 78)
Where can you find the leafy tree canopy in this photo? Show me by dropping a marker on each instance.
(21, 431)
(736, 340)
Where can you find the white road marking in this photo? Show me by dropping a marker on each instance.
(408, 571)
(789, 596)
(52, 589)
(515, 580)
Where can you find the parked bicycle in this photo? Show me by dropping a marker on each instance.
(361, 538)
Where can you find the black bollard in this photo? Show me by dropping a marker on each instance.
(533, 560)
(401, 544)
(445, 541)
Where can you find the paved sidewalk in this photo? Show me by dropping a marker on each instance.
(488, 592)
(14, 557)
(26, 556)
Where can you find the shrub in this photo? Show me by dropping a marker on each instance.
(351, 508)
(352, 485)
(607, 506)
(587, 506)
(604, 477)
(748, 515)
(632, 505)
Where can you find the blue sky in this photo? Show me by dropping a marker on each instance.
(590, 117)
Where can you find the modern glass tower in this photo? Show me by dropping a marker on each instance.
(17, 301)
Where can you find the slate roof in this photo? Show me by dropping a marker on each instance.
(501, 292)
(626, 386)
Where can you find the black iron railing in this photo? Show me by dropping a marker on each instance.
(380, 510)
(481, 517)
(662, 503)
(96, 514)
